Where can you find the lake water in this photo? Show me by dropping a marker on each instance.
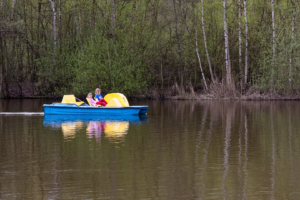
(179, 150)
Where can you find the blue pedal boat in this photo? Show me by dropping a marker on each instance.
(67, 109)
(57, 120)
(117, 105)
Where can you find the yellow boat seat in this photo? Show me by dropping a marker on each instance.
(87, 99)
(121, 97)
(70, 99)
(114, 102)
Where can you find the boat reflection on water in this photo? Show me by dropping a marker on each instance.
(113, 130)
(95, 129)
(112, 127)
(69, 129)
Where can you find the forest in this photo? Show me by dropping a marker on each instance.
(158, 48)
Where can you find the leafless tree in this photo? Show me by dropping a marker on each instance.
(240, 39)
(227, 54)
(292, 43)
(12, 9)
(113, 17)
(54, 32)
(274, 42)
(246, 38)
(205, 44)
(200, 63)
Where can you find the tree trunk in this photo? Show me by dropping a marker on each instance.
(60, 26)
(113, 17)
(274, 43)
(76, 20)
(179, 46)
(205, 44)
(1, 53)
(292, 43)
(12, 9)
(5, 71)
(161, 75)
(200, 63)
(240, 42)
(54, 32)
(59, 11)
(246, 38)
(227, 56)
(109, 65)
(1, 65)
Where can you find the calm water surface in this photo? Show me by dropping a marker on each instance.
(180, 150)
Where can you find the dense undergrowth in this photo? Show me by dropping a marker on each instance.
(148, 48)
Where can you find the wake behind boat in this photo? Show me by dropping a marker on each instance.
(117, 105)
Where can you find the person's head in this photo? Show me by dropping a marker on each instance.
(90, 95)
(98, 91)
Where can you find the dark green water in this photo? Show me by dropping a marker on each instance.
(180, 150)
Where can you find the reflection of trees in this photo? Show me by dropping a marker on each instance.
(209, 150)
(243, 170)
(246, 159)
(197, 147)
(226, 149)
(204, 160)
(273, 154)
(240, 159)
(292, 175)
(55, 194)
(199, 135)
(21, 166)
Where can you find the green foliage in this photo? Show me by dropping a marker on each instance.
(108, 65)
(133, 46)
(274, 73)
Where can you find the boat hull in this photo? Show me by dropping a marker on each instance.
(67, 109)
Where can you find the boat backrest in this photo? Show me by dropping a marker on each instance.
(121, 97)
(114, 102)
(70, 99)
(87, 99)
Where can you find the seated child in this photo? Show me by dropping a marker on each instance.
(91, 100)
(99, 97)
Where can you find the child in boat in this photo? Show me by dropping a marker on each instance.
(91, 100)
(99, 97)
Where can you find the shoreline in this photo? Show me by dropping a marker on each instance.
(28, 91)
(252, 97)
